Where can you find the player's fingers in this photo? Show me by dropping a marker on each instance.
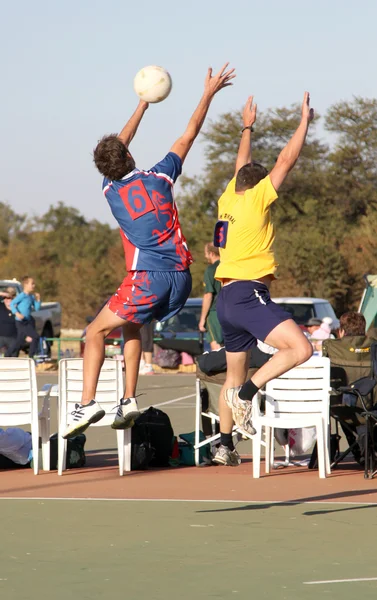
(220, 73)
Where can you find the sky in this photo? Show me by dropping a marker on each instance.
(67, 72)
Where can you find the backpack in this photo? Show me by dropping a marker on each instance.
(151, 440)
(75, 452)
(167, 358)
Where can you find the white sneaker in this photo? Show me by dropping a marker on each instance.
(83, 416)
(141, 366)
(227, 457)
(241, 410)
(146, 370)
(127, 412)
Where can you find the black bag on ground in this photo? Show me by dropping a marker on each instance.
(151, 440)
(75, 451)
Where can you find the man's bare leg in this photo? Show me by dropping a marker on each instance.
(294, 349)
(237, 367)
(94, 354)
(132, 354)
(89, 411)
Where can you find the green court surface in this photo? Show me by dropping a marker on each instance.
(165, 550)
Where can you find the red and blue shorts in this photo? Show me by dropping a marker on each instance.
(147, 295)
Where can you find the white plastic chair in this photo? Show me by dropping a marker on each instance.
(298, 398)
(215, 438)
(19, 405)
(109, 392)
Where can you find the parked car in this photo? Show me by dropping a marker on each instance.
(47, 318)
(302, 309)
(184, 325)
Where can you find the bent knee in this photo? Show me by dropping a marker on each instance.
(304, 351)
(93, 331)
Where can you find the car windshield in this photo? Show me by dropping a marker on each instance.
(185, 321)
(301, 313)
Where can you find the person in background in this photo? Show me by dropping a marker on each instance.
(146, 334)
(8, 329)
(208, 319)
(22, 306)
(312, 325)
(322, 333)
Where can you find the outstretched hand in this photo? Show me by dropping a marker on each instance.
(214, 83)
(249, 114)
(307, 113)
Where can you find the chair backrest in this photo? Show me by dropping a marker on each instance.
(302, 390)
(109, 388)
(18, 391)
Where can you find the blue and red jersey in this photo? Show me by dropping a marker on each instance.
(143, 205)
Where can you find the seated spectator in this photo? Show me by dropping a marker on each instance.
(312, 325)
(8, 329)
(323, 332)
(350, 358)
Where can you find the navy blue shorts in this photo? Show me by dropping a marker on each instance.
(247, 314)
(147, 295)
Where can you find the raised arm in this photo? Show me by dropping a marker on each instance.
(289, 155)
(211, 86)
(129, 130)
(249, 116)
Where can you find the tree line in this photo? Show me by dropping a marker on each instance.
(325, 218)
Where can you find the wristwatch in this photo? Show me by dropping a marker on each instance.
(248, 127)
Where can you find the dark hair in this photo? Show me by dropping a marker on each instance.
(25, 279)
(249, 175)
(112, 157)
(211, 249)
(353, 323)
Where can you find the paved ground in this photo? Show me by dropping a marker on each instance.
(186, 533)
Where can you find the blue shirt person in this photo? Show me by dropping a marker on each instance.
(22, 306)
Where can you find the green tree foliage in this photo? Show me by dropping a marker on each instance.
(77, 262)
(325, 217)
(325, 207)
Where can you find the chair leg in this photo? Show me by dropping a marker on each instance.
(127, 450)
(120, 444)
(45, 435)
(321, 450)
(198, 407)
(267, 458)
(326, 428)
(62, 454)
(272, 448)
(35, 445)
(257, 442)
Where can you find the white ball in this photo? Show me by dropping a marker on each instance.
(152, 84)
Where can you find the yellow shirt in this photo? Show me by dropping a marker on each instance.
(247, 253)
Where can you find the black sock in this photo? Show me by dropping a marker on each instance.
(248, 390)
(227, 440)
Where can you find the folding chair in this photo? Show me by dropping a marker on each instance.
(352, 359)
(109, 391)
(298, 398)
(19, 405)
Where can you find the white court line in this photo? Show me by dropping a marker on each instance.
(205, 501)
(340, 581)
(170, 401)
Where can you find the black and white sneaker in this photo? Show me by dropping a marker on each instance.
(127, 412)
(83, 416)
